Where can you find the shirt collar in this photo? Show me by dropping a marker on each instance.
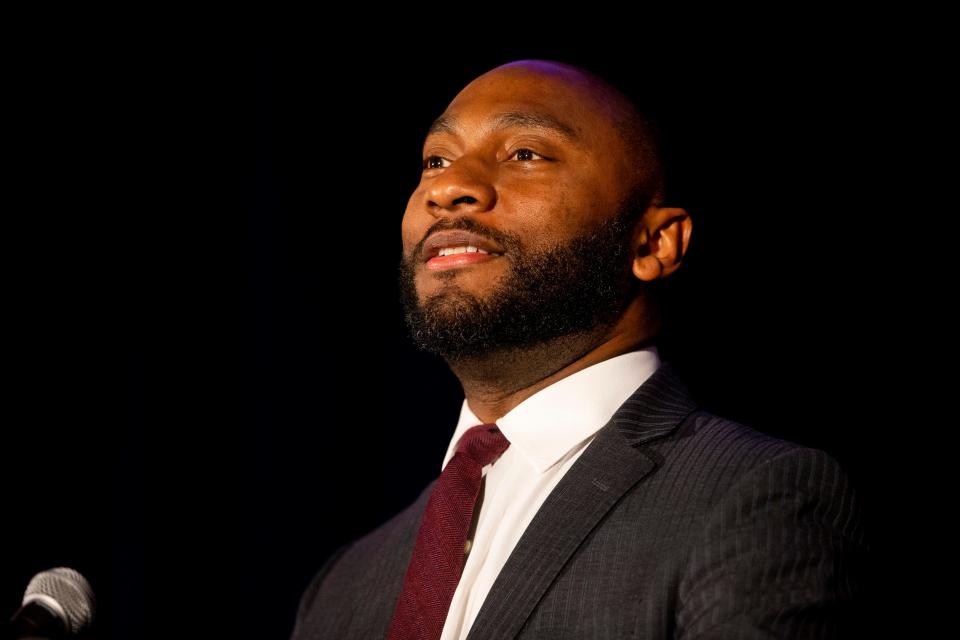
(548, 424)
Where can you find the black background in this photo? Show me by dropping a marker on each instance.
(210, 382)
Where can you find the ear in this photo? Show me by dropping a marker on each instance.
(660, 242)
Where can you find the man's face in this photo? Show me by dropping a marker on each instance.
(529, 168)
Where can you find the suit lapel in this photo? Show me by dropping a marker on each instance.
(607, 469)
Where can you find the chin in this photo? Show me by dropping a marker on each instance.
(447, 282)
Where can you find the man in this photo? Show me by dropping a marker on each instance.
(612, 506)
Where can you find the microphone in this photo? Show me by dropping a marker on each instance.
(58, 603)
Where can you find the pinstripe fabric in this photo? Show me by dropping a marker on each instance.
(673, 523)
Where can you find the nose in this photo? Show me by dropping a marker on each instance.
(463, 187)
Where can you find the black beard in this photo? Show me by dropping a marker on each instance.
(573, 288)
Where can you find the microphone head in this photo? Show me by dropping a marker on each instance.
(66, 593)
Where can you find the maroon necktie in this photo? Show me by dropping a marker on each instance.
(438, 556)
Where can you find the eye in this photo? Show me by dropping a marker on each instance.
(431, 162)
(523, 155)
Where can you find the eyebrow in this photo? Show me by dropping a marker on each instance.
(449, 124)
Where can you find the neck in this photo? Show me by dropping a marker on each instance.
(497, 382)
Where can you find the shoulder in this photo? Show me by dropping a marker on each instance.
(778, 543)
(733, 469)
(729, 447)
(700, 456)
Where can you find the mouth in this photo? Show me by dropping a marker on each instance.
(457, 248)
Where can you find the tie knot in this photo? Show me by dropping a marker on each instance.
(483, 443)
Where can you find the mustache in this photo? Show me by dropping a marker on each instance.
(508, 241)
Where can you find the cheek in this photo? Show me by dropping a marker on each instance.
(584, 206)
(548, 215)
(412, 225)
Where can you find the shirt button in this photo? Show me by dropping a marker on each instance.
(467, 545)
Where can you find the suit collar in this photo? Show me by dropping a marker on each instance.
(655, 408)
(610, 466)
(545, 427)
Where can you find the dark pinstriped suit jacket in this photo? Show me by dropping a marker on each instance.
(673, 523)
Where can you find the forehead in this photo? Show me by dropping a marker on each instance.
(566, 105)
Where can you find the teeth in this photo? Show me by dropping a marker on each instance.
(449, 251)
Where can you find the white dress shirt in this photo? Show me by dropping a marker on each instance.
(547, 432)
